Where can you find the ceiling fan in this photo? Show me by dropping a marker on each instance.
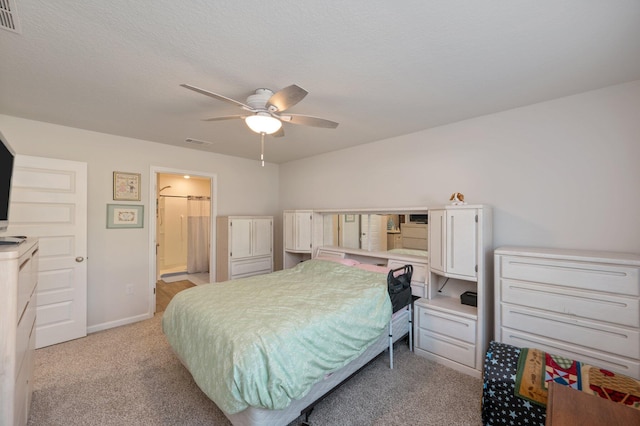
(265, 110)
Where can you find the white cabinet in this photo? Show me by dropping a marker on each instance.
(584, 305)
(460, 246)
(453, 242)
(298, 230)
(244, 246)
(18, 282)
(298, 236)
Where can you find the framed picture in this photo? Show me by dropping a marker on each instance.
(126, 186)
(349, 218)
(125, 216)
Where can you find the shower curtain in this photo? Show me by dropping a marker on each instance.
(198, 224)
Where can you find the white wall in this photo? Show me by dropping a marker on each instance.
(117, 257)
(563, 173)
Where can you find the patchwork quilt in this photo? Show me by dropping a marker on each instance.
(516, 383)
(537, 368)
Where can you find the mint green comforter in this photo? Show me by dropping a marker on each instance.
(265, 340)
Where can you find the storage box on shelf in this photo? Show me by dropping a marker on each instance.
(584, 305)
(244, 246)
(448, 331)
(18, 283)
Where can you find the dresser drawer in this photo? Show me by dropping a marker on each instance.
(246, 267)
(446, 347)
(25, 332)
(27, 274)
(617, 340)
(590, 305)
(414, 231)
(419, 269)
(581, 275)
(439, 322)
(607, 361)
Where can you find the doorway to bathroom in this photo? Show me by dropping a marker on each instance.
(183, 244)
(183, 227)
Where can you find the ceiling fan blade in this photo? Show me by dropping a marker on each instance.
(279, 133)
(218, 97)
(226, 117)
(286, 98)
(308, 120)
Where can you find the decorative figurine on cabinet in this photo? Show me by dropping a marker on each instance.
(457, 198)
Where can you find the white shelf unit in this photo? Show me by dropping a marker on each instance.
(298, 238)
(460, 247)
(244, 246)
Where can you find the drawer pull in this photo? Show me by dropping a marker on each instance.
(24, 263)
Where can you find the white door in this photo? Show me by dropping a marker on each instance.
(370, 235)
(350, 226)
(49, 201)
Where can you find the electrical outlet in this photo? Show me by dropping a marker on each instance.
(129, 289)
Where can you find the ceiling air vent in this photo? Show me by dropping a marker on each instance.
(9, 16)
(194, 141)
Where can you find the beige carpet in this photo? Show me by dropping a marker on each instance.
(129, 376)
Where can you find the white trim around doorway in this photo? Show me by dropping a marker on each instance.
(153, 179)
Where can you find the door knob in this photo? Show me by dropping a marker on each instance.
(79, 259)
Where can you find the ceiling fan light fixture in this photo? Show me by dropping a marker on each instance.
(262, 122)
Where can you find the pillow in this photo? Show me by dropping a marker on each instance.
(347, 262)
(373, 268)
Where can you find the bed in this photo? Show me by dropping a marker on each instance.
(514, 391)
(265, 348)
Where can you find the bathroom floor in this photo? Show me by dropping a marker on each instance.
(197, 279)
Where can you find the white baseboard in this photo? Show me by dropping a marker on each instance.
(118, 323)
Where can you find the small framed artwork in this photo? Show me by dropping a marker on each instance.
(349, 218)
(125, 216)
(126, 186)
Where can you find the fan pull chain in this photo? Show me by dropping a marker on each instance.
(262, 148)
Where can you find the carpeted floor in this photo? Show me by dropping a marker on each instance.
(129, 376)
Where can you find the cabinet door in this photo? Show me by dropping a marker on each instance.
(461, 236)
(298, 231)
(289, 231)
(262, 236)
(303, 231)
(453, 237)
(240, 238)
(436, 236)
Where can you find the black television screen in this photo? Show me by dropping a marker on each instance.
(6, 171)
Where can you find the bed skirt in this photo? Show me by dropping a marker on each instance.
(254, 416)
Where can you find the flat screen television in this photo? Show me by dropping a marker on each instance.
(6, 172)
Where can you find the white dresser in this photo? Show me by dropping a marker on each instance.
(581, 304)
(18, 282)
(244, 246)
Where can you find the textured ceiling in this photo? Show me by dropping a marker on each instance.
(379, 68)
